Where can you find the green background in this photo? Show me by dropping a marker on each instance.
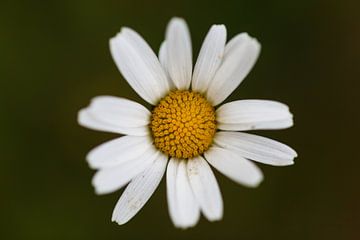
(55, 58)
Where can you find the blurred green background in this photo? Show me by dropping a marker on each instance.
(55, 58)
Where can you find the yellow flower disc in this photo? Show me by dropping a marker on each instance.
(183, 124)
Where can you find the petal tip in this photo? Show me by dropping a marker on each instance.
(256, 181)
(80, 116)
(295, 154)
(221, 27)
(117, 220)
(98, 191)
(91, 161)
(177, 20)
(216, 218)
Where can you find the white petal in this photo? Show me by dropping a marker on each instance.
(256, 148)
(171, 174)
(234, 166)
(210, 57)
(118, 151)
(235, 41)
(89, 120)
(119, 111)
(139, 65)
(179, 53)
(263, 126)
(108, 180)
(163, 55)
(269, 126)
(240, 56)
(139, 191)
(188, 208)
(164, 62)
(183, 208)
(253, 114)
(205, 188)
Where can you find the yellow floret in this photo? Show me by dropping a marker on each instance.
(183, 124)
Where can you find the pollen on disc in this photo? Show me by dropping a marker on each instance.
(183, 124)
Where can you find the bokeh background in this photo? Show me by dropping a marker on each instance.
(55, 58)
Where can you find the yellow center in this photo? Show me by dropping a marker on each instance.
(183, 124)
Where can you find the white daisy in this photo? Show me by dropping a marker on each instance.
(185, 131)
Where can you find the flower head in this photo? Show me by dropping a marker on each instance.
(185, 132)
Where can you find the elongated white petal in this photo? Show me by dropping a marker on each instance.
(108, 180)
(118, 151)
(139, 191)
(179, 53)
(210, 58)
(256, 148)
(188, 208)
(205, 188)
(253, 114)
(163, 55)
(89, 120)
(235, 41)
(235, 167)
(139, 65)
(183, 208)
(240, 56)
(164, 62)
(119, 111)
(171, 173)
(263, 126)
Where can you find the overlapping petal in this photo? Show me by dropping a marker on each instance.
(256, 148)
(183, 207)
(245, 115)
(179, 53)
(118, 151)
(209, 59)
(235, 167)
(164, 63)
(139, 190)
(90, 120)
(139, 65)
(240, 56)
(205, 188)
(108, 180)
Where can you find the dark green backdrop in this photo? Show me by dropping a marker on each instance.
(55, 58)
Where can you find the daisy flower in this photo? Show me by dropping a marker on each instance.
(186, 131)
